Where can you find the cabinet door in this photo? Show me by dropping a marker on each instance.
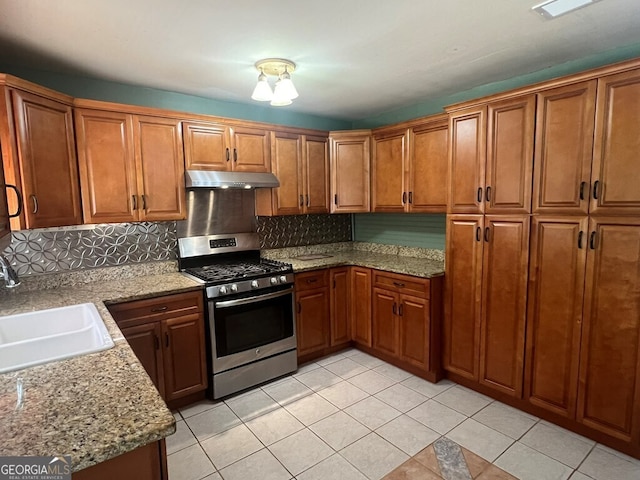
(428, 168)
(312, 320)
(463, 281)
(609, 386)
(616, 145)
(340, 294)
(286, 164)
(384, 321)
(350, 157)
(250, 150)
(510, 135)
(414, 330)
(160, 160)
(49, 169)
(467, 132)
(388, 166)
(554, 320)
(107, 166)
(185, 365)
(361, 305)
(504, 301)
(206, 146)
(144, 340)
(563, 149)
(316, 174)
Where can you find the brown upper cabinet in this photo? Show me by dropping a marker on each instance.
(350, 159)
(41, 161)
(212, 146)
(131, 167)
(409, 168)
(491, 157)
(563, 149)
(301, 163)
(614, 174)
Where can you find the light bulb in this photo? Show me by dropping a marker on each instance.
(262, 92)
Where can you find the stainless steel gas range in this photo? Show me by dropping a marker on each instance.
(251, 323)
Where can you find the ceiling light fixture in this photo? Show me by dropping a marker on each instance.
(284, 91)
(554, 8)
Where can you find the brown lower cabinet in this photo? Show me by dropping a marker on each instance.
(167, 335)
(388, 315)
(582, 356)
(144, 463)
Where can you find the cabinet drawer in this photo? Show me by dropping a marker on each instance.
(402, 283)
(157, 308)
(311, 280)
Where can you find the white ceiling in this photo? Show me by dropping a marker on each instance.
(356, 58)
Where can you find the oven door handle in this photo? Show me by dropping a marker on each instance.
(257, 298)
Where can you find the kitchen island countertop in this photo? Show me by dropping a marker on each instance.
(92, 407)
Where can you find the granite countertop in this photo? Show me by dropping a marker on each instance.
(93, 407)
(418, 262)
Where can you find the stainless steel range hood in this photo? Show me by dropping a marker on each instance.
(246, 180)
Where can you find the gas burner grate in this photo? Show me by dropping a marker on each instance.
(232, 271)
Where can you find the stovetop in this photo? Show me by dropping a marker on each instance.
(227, 271)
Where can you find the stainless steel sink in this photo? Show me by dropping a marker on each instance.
(44, 336)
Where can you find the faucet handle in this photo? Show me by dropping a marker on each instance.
(11, 279)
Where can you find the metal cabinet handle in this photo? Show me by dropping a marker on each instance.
(144, 202)
(166, 339)
(592, 240)
(410, 197)
(156, 341)
(335, 199)
(301, 200)
(486, 234)
(488, 195)
(227, 154)
(163, 308)
(35, 204)
(19, 196)
(399, 284)
(307, 199)
(395, 308)
(580, 235)
(312, 280)
(235, 155)
(582, 185)
(596, 184)
(400, 310)
(299, 307)
(478, 230)
(479, 194)
(404, 197)
(134, 202)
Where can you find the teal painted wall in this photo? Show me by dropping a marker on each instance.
(407, 229)
(94, 89)
(436, 105)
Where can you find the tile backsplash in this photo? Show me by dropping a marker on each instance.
(300, 230)
(34, 252)
(49, 250)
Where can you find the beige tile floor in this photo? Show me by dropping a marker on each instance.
(352, 416)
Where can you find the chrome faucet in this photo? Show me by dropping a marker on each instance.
(10, 276)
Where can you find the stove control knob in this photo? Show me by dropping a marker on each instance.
(254, 284)
(234, 288)
(283, 279)
(273, 280)
(223, 290)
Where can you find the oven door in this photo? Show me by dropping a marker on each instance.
(247, 329)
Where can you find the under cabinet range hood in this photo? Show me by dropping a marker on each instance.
(247, 180)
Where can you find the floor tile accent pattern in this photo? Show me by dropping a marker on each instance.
(351, 416)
